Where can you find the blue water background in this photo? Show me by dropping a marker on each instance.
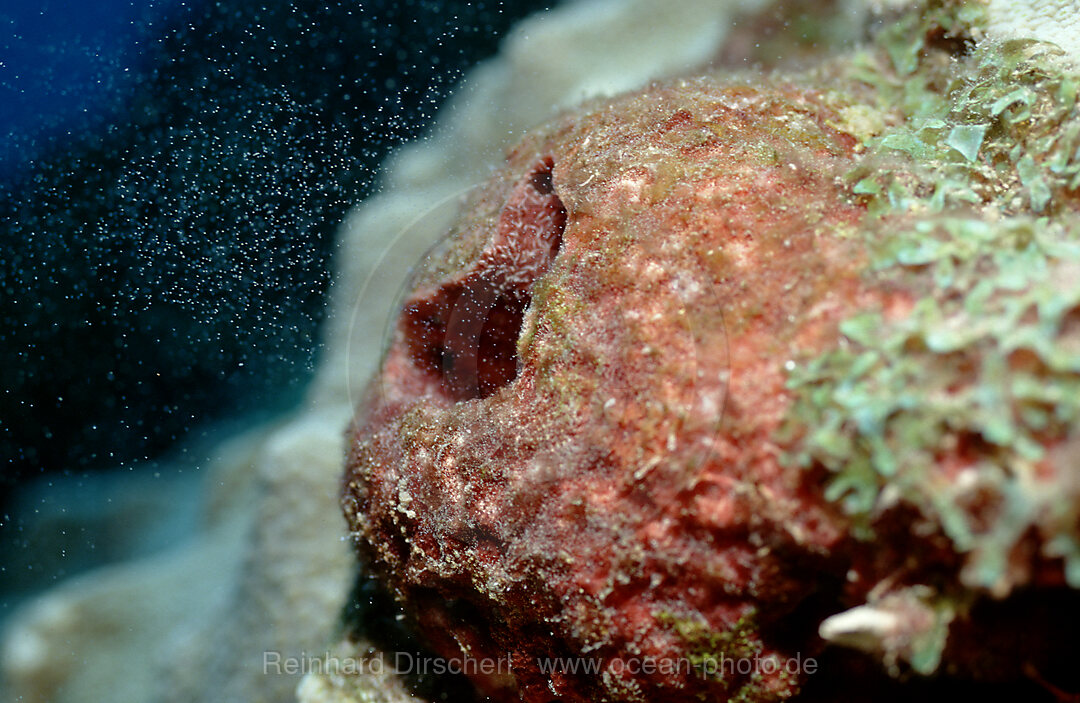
(65, 67)
(171, 178)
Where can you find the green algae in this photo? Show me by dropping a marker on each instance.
(712, 654)
(706, 644)
(997, 126)
(882, 407)
(970, 187)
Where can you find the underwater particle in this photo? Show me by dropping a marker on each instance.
(563, 457)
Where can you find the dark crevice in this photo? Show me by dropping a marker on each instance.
(955, 44)
(374, 615)
(466, 330)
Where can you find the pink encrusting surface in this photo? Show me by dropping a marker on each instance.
(570, 450)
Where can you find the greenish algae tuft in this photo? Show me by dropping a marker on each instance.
(719, 653)
(997, 126)
(957, 405)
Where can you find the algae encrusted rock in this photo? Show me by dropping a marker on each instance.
(712, 374)
(568, 450)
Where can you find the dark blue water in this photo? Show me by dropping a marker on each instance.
(171, 177)
(63, 63)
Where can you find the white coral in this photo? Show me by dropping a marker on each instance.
(1055, 21)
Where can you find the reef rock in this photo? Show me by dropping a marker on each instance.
(570, 438)
(714, 373)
